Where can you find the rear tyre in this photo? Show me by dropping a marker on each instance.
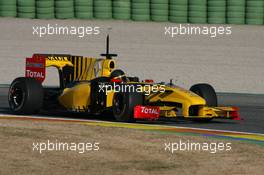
(124, 103)
(25, 96)
(207, 92)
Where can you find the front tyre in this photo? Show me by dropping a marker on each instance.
(25, 96)
(208, 93)
(124, 103)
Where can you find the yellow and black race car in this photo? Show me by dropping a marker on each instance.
(95, 86)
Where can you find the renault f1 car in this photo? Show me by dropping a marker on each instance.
(94, 86)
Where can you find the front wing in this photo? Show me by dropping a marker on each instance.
(155, 112)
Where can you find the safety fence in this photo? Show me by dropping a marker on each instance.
(178, 11)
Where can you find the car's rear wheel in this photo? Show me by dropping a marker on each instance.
(124, 103)
(208, 93)
(25, 96)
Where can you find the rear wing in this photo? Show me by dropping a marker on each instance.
(36, 66)
(71, 68)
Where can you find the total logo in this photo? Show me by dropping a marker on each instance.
(33, 74)
(148, 110)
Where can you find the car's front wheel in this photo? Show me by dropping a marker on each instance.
(124, 103)
(208, 93)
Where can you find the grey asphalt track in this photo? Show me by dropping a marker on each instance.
(251, 111)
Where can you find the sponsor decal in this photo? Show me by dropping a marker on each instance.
(149, 110)
(57, 58)
(33, 74)
(146, 112)
(35, 67)
(38, 65)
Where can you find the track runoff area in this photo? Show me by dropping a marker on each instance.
(249, 129)
(256, 138)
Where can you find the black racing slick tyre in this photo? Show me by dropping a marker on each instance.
(207, 92)
(25, 96)
(124, 103)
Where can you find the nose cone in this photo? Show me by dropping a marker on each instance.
(185, 96)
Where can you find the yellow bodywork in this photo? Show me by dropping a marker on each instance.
(186, 99)
(78, 97)
(177, 95)
(86, 68)
(58, 61)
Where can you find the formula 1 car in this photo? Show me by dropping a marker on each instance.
(94, 86)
